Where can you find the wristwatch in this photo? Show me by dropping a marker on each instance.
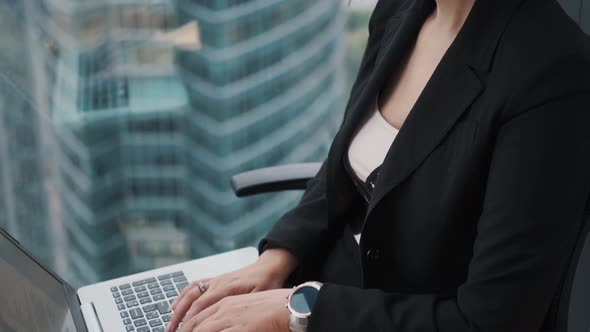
(300, 303)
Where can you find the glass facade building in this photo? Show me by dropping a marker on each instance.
(23, 196)
(144, 138)
(115, 115)
(23, 204)
(265, 89)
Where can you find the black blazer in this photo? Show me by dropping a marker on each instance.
(481, 196)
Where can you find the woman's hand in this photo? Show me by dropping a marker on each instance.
(264, 311)
(269, 272)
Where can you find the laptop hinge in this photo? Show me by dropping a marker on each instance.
(91, 317)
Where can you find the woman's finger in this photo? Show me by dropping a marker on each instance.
(191, 322)
(206, 301)
(188, 289)
(214, 326)
(232, 329)
(182, 307)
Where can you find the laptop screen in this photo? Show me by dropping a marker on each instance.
(31, 300)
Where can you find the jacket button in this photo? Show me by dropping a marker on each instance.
(373, 254)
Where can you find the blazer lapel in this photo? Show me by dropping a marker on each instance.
(456, 83)
(390, 48)
(399, 36)
(434, 114)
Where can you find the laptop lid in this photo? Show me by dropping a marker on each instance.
(33, 299)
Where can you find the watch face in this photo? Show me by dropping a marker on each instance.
(303, 300)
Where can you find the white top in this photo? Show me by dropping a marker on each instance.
(370, 145)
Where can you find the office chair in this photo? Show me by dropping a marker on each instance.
(571, 305)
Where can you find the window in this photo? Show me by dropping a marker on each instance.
(134, 142)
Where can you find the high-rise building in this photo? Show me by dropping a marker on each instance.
(265, 89)
(23, 204)
(145, 138)
(23, 198)
(116, 111)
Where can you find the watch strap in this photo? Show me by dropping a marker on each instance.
(297, 324)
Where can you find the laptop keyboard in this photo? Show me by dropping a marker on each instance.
(144, 305)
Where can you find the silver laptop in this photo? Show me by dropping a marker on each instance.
(33, 299)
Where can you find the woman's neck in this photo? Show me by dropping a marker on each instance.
(451, 14)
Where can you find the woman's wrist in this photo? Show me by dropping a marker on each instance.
(279, 262)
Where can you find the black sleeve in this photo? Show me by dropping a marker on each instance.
(302, 229)
(538, 185)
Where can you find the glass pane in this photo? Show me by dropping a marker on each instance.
(118, 142)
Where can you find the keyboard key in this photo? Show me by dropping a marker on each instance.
(138, 283)
(177, 274)
(169, 288)
(142, 294)
(152, 279)
(152, 315)
(172, 294)
(158, 329)
(180, 279)
(164, 276)
(145, 300)
(143, 329)
(140, 289)
(113, 289)
(127, 292)
(148, 308)
(132, 304)
(129, 327)
(166, 318)
(166, 282)
(159, 297)
(181, 286)
(155, 322)
(129, 298)
(118, 300)
(116, 294)
(156, 291)
(137, 313)
(124, 314)
(163, 307)
(121, 307)
(140, 322)
(125, 286)
(153, 285)
(171, 300)
(127, 321)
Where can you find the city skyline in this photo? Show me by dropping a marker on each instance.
(139, 140)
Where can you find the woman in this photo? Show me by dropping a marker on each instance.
(470, 220)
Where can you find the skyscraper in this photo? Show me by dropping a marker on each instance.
(265, 89)
(23, 197)
(115, 110)
(23, 204)
(144, 139)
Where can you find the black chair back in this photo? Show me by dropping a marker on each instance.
(573, 307)
(579, 304)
